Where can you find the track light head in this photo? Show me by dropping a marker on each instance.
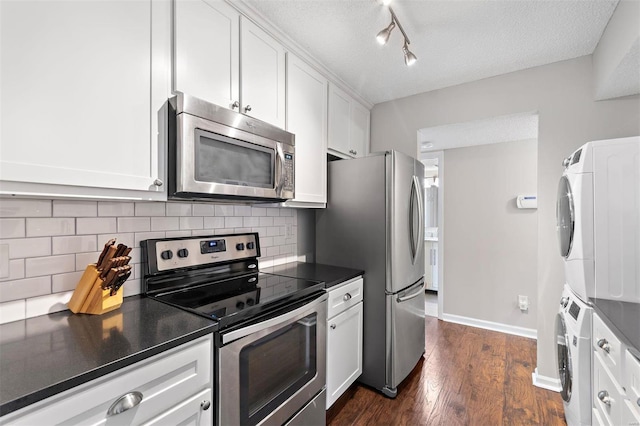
(383, 36)
(409, 57)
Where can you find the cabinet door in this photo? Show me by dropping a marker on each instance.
(207, 51)
(262, 76)
(190, 412)
(82, 86)
(307, 119)
(339, 120)
(359, 130)
(344, 352)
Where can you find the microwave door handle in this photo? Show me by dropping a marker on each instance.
(281, 170)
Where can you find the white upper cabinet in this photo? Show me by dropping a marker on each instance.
(307, 119)
(262, 76)
(206, 63)
(348, 125)
(82, 85)
(223, 58)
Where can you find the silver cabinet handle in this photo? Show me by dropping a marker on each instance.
(205, 405)
(158, 182)
(235, 105)
(604, 345)
(124, 403)
(346, 297)
(604, 397)
(247, 108)
(333, 326)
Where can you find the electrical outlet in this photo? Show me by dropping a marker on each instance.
(523, 303)
(4, 260)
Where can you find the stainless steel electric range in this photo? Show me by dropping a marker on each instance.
(270, 343)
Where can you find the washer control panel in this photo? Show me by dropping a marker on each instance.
(195, 251)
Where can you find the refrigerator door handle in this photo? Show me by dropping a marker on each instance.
(416, 198)
(421, 218)
(412, 295)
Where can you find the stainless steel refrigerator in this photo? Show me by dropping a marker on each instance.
(374, 221)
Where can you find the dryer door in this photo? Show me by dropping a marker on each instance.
(565, 217)
(563, 350)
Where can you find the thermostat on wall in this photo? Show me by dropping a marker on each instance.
(527, 201)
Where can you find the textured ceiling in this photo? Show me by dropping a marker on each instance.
(455, 41)
(506, 128)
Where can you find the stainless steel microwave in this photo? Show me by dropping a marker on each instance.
(219, 154)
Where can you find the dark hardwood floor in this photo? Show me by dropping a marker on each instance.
(469, 376)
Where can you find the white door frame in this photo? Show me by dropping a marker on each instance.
(439, 155)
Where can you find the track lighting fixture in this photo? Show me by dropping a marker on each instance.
(383, 37)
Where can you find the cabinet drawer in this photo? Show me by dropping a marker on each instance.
(189, 412)
(164, 380)
(606, 395)
(630, 413)
(632, 382)
(344, 296)
(608, 346)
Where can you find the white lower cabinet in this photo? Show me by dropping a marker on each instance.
(344, 338)
(175, 388)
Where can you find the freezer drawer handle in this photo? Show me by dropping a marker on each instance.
(124, 403)
(346, 297)
(411, 296)
(604, 397)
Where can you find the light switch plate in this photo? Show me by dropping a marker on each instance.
(4, 260)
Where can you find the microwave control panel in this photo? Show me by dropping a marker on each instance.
(289, 172)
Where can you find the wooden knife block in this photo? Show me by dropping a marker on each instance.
(90, 298)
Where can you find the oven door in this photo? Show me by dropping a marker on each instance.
(270, 370)
(215, 160)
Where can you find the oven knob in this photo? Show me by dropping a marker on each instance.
(166, 255)
(250, 302)
(240, 246)
(250, 246)
(240, 305)
(183, 252)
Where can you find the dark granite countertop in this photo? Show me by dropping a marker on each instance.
(331, 275)
(624, 320)
(43, 356)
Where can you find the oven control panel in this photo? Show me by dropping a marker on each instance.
(195, 251)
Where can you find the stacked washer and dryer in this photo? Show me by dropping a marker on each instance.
(598, 225)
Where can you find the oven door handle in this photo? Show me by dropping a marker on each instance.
(281, 319)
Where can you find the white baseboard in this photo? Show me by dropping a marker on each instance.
(544, 382)
(494, 326)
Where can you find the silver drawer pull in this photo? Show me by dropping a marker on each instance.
(333, 326)
(205, 405)
(346, 297)
(124, 403)
(604, 345)
(604, 397)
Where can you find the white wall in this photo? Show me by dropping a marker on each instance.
(562, 94)
(52, 241)
(490, 254)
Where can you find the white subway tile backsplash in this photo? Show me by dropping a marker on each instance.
(37, 227)
(204, 210)
(164, 223)
(40, 266)
(96, 225)
(179, 209)
(134, 224)
(28, 247)
(266, 221)
(232, 222)
(213, 222)
(73, 244)
(24, 289)
(59, 238)
(48, 304)
(12, 228)
(16, 270)
(70, 208)
(110, 208)
(65, 282)
(25, 208)
(224, 210)
(191, 223)
(150, 209)
(12, 311)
